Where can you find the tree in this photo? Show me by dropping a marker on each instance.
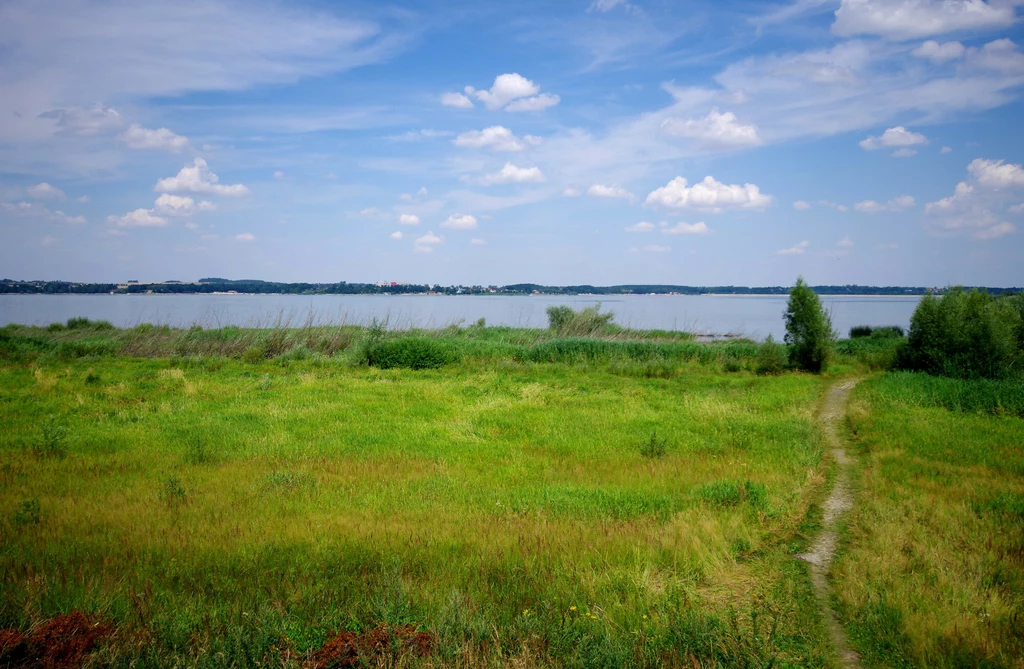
(809, 330)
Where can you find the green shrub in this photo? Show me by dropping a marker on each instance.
(172, 490)
(728, 493)
(771, 358)
(963, 334)
(53, 443)
(654, 447)
(808, 329)
(732, 366)
(56, 327)
(587, 321)
(254, 354)
(412, 353)
(86, 324)
(860, 331)
(196, 451)
(93, 347)
(28, 513)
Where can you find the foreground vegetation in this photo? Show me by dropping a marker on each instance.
(231, 513)
(932, 573)
(580, 496)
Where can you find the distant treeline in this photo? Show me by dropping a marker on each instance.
(217, 285)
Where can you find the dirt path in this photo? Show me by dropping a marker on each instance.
(839, 501)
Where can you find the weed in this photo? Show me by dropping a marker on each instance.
(254, 354)
(412, 353)
(196, 451)
(654, 447)
(92, 378)
(28, 513)
(172, 490)
(732, 366)
(771, 358)
(264, 383)
(53, 443)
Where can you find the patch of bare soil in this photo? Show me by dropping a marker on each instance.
(839, 501)
(63, 642)
(349, 649)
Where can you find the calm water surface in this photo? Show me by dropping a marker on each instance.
(754, 316)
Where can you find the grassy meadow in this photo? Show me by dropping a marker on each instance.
(590, 498)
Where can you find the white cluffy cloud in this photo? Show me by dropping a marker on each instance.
(642, 226)
(996, 173)
(245, 237)
(613, 191)
(799, 249)
(716, 130)
(708, 195)
(898, 137)
(397, 234)
(179, 205)
(801, 205)
(510, 174)
(198, 178)
(511, 92)
(408, 219)
(913, 19)
(457, 100)
(496, 138)
(939, 53)
(427, 242)
(140, 218)
(680, 228)
(972, 208)
(458, 222)
(45, 191)
(137, 137)
(896, 204)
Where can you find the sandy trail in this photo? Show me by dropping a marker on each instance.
(839, 501)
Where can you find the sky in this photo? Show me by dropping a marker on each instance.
(704, 142)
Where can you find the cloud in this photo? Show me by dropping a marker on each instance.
(893, 137)
(845, 243)
(939, 53)
(426, 243)
(55, 54)
(137, 137)
(49, 240)
(799, 249)
(642, 226)
(716, 130)
(903, 153)
(476, 241)
(409, 219)
(419, 135)
(996, 173)
(536, 103)
(459, 222)
(85, 121)
(140, 218)
(681, 228)
(571, 192)
(971, 209)
(245, 237)
(457, 100)
(800, 205)
(912, 19)
(178, 205)
(604, 6)
(512, 174)
(944, 150)
(85, 199)
(708, 195)
(1017, 209)
(397, 234)
(44, 191)
(35, 210)
(199, 179)
(1001, 56)
(613, 191)
(192, 226)
(496, 138)
(278, 174)
(654, 248)
(896, 204)
(515, 89)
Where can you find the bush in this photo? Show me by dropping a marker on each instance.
(884, 332)
(412, 353)
(771, 358)
(86, 324)
(587, 321)
(654, 447)
(29, 513)
(963, 334)
(808, 329)
(860, 331)
(54, 440)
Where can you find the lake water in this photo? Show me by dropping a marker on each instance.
(754, 316)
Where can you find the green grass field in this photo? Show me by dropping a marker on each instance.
(534, 502)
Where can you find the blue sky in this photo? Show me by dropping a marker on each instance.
(702, 143)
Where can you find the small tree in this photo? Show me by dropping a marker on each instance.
(809, 330)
